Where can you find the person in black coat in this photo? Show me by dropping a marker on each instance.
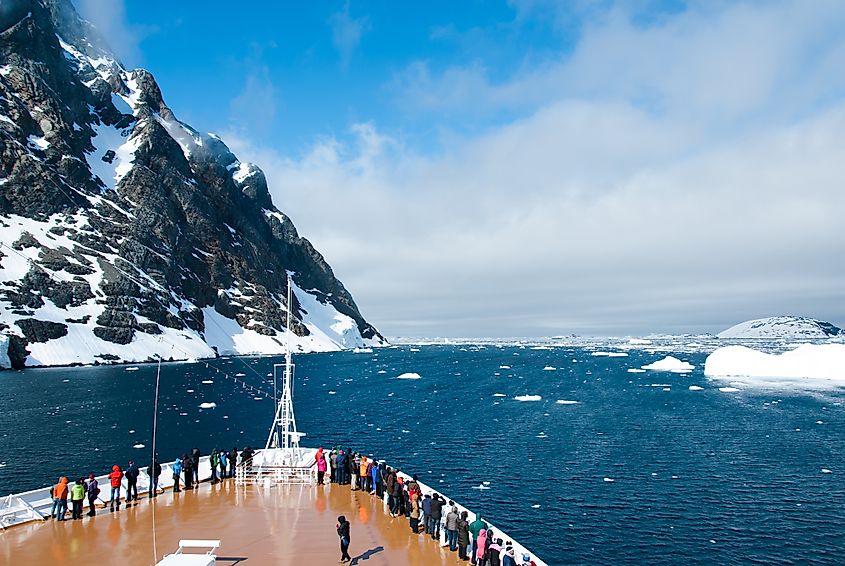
(131, 475)
(188, 469)
(154, 471)
(195, 457)
(343, 533)
(233, 459)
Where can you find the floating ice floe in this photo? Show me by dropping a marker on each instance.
(504, 367)
(258, 398)
(138, 446)
(409, 376)
(332, 392)
(542, 435)
(813, 365)
(362, 350)
(695, 388)
(670, 363)
(636, 370)
(499, 395)
(566, 402)
(728, 389)
(240, 375)
(133, 368)
(207, 405)
(535, 506)
(638, 341)
(826, 471)
(189, 391)
(482, 486)
(527, 398)
(207, 381)
(549, 368)
(611, 354)
(609, 480)
(381, 371)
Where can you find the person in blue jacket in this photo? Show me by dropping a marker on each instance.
(177, 472)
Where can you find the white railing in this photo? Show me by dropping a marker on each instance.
(266, 467)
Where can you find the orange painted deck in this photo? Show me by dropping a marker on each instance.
(256, 526)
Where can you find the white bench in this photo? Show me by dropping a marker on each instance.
(179, 558)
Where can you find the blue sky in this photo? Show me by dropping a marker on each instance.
(531, 167)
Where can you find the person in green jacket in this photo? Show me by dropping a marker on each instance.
(77, 496)
(214, 460)
(475, 528)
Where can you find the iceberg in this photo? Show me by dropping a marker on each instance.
(808, 364)
(670, 363)
(528, 398)
(409, 376)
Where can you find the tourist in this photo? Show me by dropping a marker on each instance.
(321, 467)
(415, 512)
(154, 471)
(233, 458)
(374, 478)
(214, 460)
(436, 514)
(509, 559)
(493, 551)
(526, 560)
(223, 459)
(354, 469)
(380, 476)
(54, 498)
(475, 529)
(195, 466)
(463, 535)
(333, 465)
(188, 468)
(487, 544)
(246, 457)
(406, 500)
(131, 474)
(115, 477)
(480, 547)
(426, 507)
(452, 527)
(363, 474)
(60, 493)
(343, 533)
(340, 462)
(177, 472)
(77, 496)
(93, 491)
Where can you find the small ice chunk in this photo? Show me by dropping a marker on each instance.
(499, 395)
(207, 405)
(670, 363)
(207, 381)
(133, 368)
(504, 367)
(138, 446)
(636, 370)
(549, 368)
(826, 471)
(695, 388)
(535, 506)
(528, 398)
(566, 402)
(409, 375)
(609, 480)
(728, 389)
(332, 392)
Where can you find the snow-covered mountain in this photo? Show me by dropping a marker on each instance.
(784, 327)
(125, 233)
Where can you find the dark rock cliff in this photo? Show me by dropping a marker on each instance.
(119, 223)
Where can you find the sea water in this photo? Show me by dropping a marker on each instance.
(578, 458)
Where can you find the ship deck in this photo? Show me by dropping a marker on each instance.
(255, 524)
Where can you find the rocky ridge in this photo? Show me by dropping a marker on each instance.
(782, 327)
(124, 233)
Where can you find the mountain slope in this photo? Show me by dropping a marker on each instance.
(124, 233)
(787, 327)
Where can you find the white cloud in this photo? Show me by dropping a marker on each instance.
(346, 34)
(109, 17)
(670, 178)
(254, 108)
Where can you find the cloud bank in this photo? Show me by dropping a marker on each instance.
(675, 176)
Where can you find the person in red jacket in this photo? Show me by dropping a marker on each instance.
(115, 477)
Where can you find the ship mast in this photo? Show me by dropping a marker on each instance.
(283, 433)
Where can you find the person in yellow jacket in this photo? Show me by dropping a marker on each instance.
(363, 476)
(77, 496)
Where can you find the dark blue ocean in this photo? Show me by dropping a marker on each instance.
(704, 477)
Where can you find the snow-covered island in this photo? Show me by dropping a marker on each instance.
(782, 327)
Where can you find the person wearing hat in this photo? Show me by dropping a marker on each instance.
(343, 532)
(93, 490)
